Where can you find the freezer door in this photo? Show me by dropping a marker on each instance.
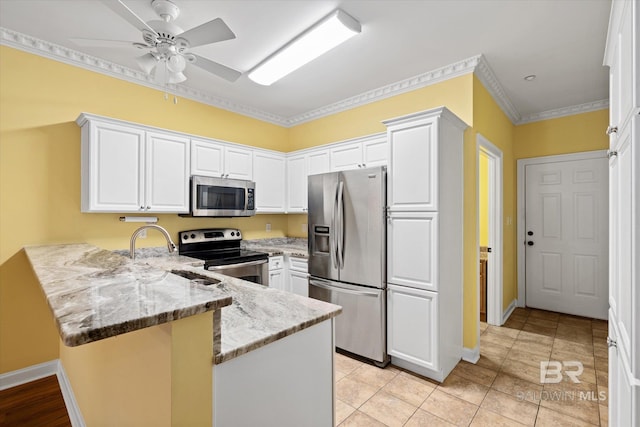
(322, 202)
(361, 328)
(361, 224)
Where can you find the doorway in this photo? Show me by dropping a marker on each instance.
(489, 186)
(563, 233)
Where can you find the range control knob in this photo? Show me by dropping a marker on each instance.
(233, 233)
(185, 237)
(193, 236)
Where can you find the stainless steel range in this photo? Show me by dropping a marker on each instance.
(221, 252)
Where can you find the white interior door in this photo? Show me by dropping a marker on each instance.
(566, 223)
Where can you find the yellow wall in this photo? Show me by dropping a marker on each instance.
(571, 134)
(483, 199)
(491, 122)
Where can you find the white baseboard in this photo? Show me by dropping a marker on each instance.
(69, 398)
(42, 370)
(471, 355)
(28, 374)
(509, 310)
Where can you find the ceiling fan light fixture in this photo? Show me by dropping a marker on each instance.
(147, 62)
(176, 78)
(329, 32)
(176, 63)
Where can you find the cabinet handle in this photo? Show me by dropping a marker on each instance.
(612, 129)
(148, 207)
(611, 153)
(612, 343)
(141, 208)
(221, 175)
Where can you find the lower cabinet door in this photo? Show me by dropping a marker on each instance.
(299, 283)
(623, 395)
(412, 325)
(276, 279)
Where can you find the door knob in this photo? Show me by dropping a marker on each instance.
(530, 243)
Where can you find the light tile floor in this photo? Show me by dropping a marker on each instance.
(502, 389)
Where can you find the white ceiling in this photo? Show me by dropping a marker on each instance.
(561, 41)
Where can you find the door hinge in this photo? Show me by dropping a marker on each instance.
(611, 153)
(611, 343)
(612, 129)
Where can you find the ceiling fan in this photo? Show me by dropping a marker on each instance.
(167, 44)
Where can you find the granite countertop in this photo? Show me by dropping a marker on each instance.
(292, 246)
(84, 286)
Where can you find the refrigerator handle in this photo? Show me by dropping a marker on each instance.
(340, 245)
(334, 249)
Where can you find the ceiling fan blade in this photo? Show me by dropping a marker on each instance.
(218, 69)
(209, 32)
(106, 43)
(127, 14)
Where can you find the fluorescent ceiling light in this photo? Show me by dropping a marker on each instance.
(335, 28)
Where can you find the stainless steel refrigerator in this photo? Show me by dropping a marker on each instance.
(347, 256)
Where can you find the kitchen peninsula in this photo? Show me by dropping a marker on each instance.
(258, 343)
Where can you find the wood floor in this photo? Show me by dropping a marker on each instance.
(38, 403)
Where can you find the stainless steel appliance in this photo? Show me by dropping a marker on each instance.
(347, 256)
(222, 197)
(220, 249)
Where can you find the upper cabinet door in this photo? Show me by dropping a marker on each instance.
(167, 173)
(375, 152)
(207, 158)
(112, 168)
(413, 166)
(269, 175)
(238, 163)
(319, 162)
(346, 156)
(297, 184)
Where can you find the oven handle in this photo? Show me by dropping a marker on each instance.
(241, 264)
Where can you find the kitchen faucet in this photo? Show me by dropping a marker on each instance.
(132, 246)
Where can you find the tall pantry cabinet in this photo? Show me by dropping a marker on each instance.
(424, 241)
(622, 55)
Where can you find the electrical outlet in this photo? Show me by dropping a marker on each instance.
(304, 228)
(268, 227)
(143, 234)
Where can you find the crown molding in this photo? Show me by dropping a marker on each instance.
(450, 71)
(565, 111)
(488, 78)
(475, 64)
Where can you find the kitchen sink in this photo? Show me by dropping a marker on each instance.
(196, 278)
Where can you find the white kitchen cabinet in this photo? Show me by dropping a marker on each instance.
(217, 159)
(298, 277)
(410, 314)
(318, 162)
(166, 173)
(276, 272)
(413, 156)
(297, 184)
(361, 153)
(622, 55)
(424, 242)
(412, 249)
(269, 174)
(207, 158)
(129, 168)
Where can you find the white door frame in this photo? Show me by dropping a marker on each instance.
(494, 264)
(520, 239)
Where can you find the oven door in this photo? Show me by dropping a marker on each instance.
(222, 197)
(252, 271)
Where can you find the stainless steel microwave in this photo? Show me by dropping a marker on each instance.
(222, 197)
